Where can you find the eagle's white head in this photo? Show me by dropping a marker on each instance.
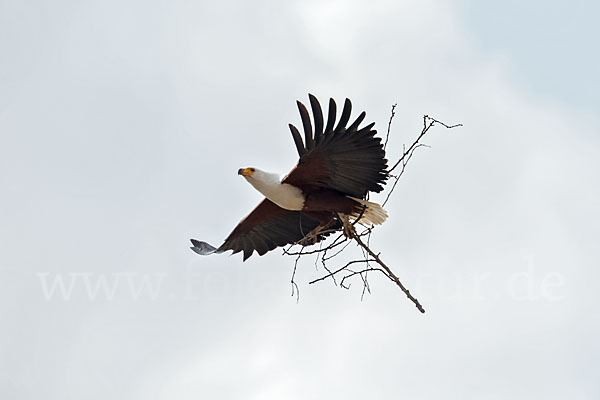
(284, 195)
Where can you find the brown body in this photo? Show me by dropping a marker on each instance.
(325, 204)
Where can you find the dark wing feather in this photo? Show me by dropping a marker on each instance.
(308, 136)
(297, 140)
(268, 226)
(347, 159)
(318, 115)
(346, 111)
(330, 116)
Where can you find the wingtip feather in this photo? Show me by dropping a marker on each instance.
(202, 248)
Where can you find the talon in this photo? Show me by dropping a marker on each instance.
(348, 229)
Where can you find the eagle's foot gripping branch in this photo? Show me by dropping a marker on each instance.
(348, 228)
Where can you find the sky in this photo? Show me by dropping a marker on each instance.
(123, 125)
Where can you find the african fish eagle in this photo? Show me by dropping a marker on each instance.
(338, 166)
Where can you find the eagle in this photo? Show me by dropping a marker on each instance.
(338, 166)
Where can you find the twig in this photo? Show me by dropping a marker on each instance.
(295, 288)
(338, 270)
(364, 271)
(389, 272)
(428, 122)
(387, 135)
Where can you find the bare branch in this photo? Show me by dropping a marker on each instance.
(295, 288)
(331, 274)
(389, 272)
(392, 115)
(348, 234)
(364, 271)
(428, 122)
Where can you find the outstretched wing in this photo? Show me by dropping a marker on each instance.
(347, 159)
(268, 226)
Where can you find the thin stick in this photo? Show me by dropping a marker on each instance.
(388, 271)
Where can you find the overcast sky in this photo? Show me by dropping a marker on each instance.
(122, 127)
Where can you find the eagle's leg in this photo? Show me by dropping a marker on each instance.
(313, 236)
(349, 230)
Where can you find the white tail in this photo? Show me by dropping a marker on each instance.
(374, 214)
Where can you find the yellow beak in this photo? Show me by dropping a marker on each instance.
(245, 171)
